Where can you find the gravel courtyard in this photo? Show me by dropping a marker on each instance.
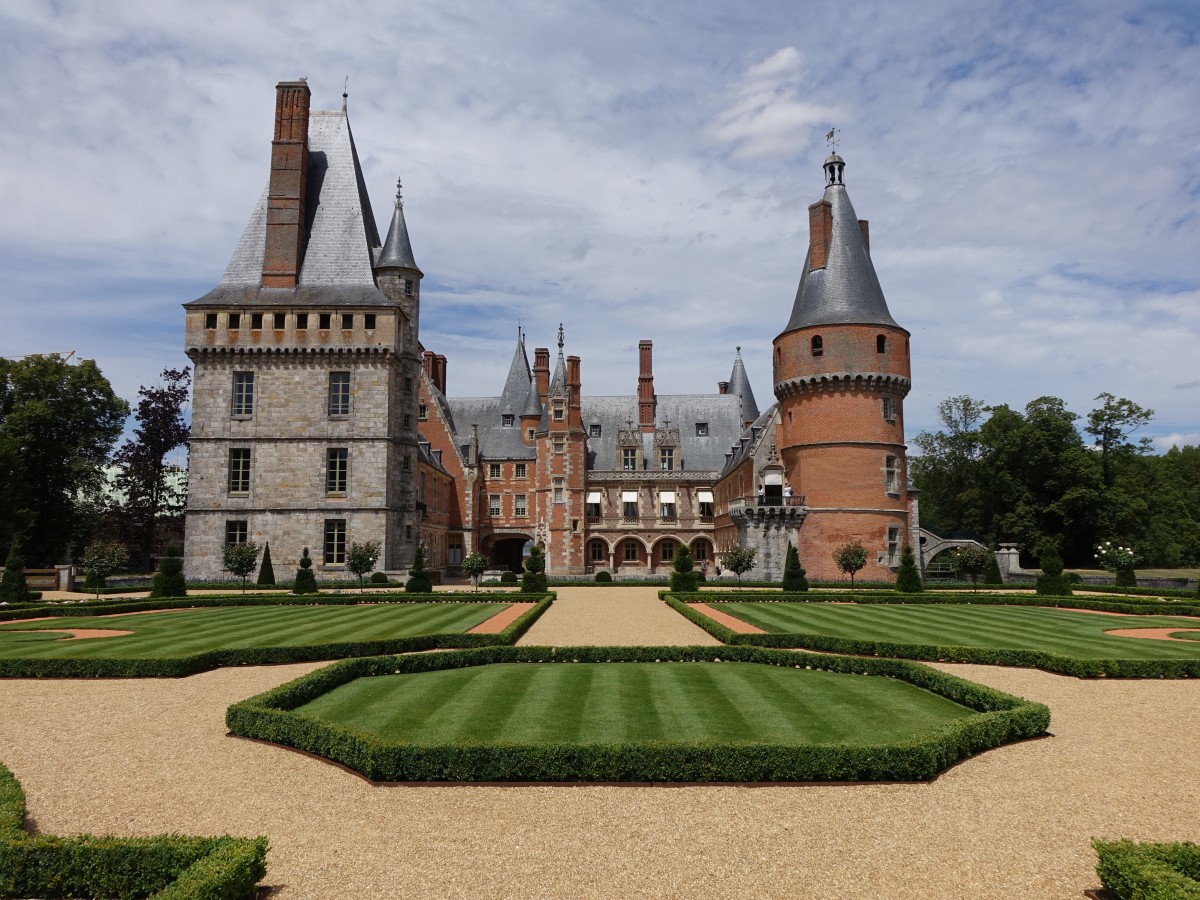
(150, 756)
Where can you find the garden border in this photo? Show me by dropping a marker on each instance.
(1002, 719)
(180, 666)
(1131, 870)
(1029, 659)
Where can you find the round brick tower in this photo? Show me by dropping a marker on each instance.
(841, 371)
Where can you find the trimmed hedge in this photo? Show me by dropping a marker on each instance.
(1149, 871)
(169, 867)
(986, 656)
(180, 666)
(1002, 718)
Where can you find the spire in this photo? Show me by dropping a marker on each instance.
(839, 285)
(515, 396)
(558, 384)
(397, 251)
(739, 383)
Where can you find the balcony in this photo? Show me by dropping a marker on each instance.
(768, 508)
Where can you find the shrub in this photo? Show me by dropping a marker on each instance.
(168, 580)
(240, 560)
(1149, 871)
(684, 576)
(972, 561)
(378, 578)
(603, 577)
(850, 558)
(1052, 582)
(1120, 561)
(534, 579)
(13, 587)
(101, 559)
(419, 581)
(508, 578)
(992, 576)
(306, 582)
(794, 577)
(361, 559)
(474, 566)
(908, 578)
(266, 572)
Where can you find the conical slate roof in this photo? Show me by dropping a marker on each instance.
(846, 291)
(397, 250)
(516, 387)
(739, 383)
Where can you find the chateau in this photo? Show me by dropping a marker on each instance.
(319, 419)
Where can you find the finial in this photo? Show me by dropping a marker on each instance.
(399, 194)
(739, 350)
(560, 337)
(832, 139)
(666, 424)
(345, 92)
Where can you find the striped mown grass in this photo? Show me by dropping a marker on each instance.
(1072, 634)
(597, 703)
(180, 633)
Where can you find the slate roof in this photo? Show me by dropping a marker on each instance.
(739, 383)
(397, 249)
(337, 269)
(754, 434)
(721, 413)
(846, 291)
(495, 441)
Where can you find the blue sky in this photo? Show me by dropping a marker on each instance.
(1031, 172)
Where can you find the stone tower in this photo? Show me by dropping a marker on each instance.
(841, 372)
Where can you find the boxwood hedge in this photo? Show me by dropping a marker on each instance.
(1028, 659)
(1149, 871)
(1002, 718)
(190, 664)
(170, 867)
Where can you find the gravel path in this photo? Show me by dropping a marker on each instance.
(148, 756)
(613, 617)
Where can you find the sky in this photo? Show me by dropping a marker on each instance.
(1031, 172)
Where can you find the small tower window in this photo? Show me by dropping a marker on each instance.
(889, 409)
(347, 321)
(818, 345)
(301, 321)
(235, 321)
(324, 321)
(280, 321)
(210, 321)
(891, 475)
(369, 321)
(880, 344)
(410, 287)
(256, 321)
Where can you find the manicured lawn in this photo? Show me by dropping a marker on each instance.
(1073, 634)
(591, 703)
(185, 632)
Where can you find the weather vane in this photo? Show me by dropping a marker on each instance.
(832, 139)
(399, 194)
(560, 336)
(345, 92)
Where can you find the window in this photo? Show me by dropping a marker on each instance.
(337, 462)
(408, 384)
(560, 443)
(666, 551)
(324, 321)
(301, 321)
(422, 412)
(507, 420)
(519, 470)
(592, 507)
(243, 394)
(235, 321)
(369, 321)
(880, 343)
(666, 505)
(704, 503)
(700, 551)
(237, 531)
(519, 506)
(335, 542)
(891, 475)
(408, 420)
(280, 321)
(818, 345)
(410, 287)
(406, 463)
(339, 393)
(529, 435)
(347, 321)
(210, 321)
(596, 552)
(494, 505)
(594, 430)
(629, 459)
(239, 471)
(666, 459)
(889, 409)
(558, 491)
(701, 429)
(256, 321)
(493, 470)
(559, 410)
(893, 545)
(629, 506)
(629, 551)
(454, 552)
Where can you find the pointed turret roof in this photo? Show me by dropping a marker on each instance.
(397, 250)
(846, 291)
(516, 387)
(739, 383)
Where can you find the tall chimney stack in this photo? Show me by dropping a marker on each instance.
(865, 230)
(820, 232)
(439, 369)
(574, 391)
(541, 372)
(646, 385)
(284, 249)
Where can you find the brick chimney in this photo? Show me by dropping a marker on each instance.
(284, 249)
(646, 385)
(722, 387)
(574, 390)
(820, 232)
(439, 372)
(865, 229)
(427, 364)
(541, 372)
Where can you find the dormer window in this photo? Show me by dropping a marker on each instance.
(880, 344)
(701, 429)
(594, 430)
(818, 346)
(559, 410)
(507, 420)
(666, 459)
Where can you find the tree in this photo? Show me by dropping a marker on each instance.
(58, 423)
(13, 588)
(306, 582)
(168, 580)
(794, 576)
(474, 566)
(534, 579)
(684, 578)
(240, 559)
(1052, 581)
(1111, 424)
(419, 581)
(153, 489)
(361, 559)
(739, 560)
(850, 558)
(947, 467)
(1120, 561)
(266, 572)
(101, 559)
(992, 575)
(972, 561)
(908, 577)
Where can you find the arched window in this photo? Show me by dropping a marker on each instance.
(818, 345)
(880, 344)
